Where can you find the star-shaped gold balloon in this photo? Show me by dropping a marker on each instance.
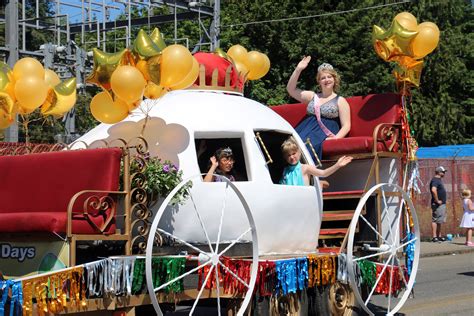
(104, 66)
(392, 42)
(158, 39)
(61, 99)
(144, 46)
(408, 72)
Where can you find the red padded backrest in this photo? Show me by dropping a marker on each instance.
(366, 112)
(292, 113)
(369, 111)
(46, 182)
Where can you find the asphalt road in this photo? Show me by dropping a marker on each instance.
(444, 286)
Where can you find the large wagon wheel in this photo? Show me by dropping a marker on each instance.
(395, 249)
(208, 256)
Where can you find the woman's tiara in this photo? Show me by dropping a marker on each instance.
(325, 66)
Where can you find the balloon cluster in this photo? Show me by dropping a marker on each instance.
(406, 43)
(251, 65)
(147, 69)
(28, 87)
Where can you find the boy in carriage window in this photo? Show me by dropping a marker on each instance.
(297, 173)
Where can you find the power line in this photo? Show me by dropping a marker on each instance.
(316, 15)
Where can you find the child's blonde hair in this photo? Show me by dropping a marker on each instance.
(289, 145)
(466, 193)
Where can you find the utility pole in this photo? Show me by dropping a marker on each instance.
(11, 41)
(215, 26)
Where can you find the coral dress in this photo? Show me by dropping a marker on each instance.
(468, 217)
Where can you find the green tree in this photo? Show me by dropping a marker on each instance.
(441, 109)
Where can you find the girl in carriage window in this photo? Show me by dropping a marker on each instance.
(222, 164)
(297, 173)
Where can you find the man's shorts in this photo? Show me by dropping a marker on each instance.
(438, 214)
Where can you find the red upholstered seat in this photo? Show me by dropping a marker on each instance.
(366, 113)
(35, 189)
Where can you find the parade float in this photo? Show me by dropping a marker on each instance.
(135, 182)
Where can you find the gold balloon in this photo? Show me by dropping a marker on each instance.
(4, 80)
(220, 52)
(241, 68)
(393, 42)
(408, 73)
(51, 78)
(267, 63)
(190, 77)
(10, 88)
(134, 105)
(238, 53)
(31, 92)
(104, 66)
(256, 65)
(144, 46)
(61, 99)
(407, 20)
(128, 83)
(28, 67)
(5, 120)
(153, 67)
(153, 91)
(426, 40)
(176, 62)
(6, 104)
(158, 39)
(106, 110)
(142, 66)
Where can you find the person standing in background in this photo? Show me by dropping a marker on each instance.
(438, 204)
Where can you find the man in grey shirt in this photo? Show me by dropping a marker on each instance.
(438, 204)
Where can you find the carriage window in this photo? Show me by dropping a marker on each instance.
(207, 147)
(271, 142)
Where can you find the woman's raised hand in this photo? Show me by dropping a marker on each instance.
(303, 63)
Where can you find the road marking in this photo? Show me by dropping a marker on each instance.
(437, 303)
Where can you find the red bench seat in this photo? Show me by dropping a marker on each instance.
(367, 113)
(36, 189)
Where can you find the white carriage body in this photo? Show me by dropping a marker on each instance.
(287, 218)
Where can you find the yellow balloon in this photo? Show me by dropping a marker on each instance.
(5, 120)
(128, 83)
(106, 110)
(134, 105)
(238, 53)
(267, 63)
(426, 40)
(407, 20)
(28, 67)
(10, 88)
(190, 77)
(256, 65)
(241, 68)
(6, 103)
(176, 62)
(51, 78)
(153, 91)
(60, 104)
(143, 67)
(31, 92)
